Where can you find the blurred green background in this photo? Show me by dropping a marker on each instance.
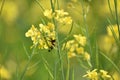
(17, 17)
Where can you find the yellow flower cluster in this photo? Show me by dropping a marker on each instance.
(95, 75)
(76, 47)
(59, 15)
(44, 37)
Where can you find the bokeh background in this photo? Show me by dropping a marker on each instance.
(17, 17)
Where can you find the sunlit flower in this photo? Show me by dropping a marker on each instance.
(44, 37)
(65, 20)
(60, 15)
(80, 50)
(86, 56)
(92, 75)
(48, 13)
(4, 73)
(71, 54)
(63, 17)
(74, 47)
(98, 75)
(104, 74)
(81, 39)
(34, 34)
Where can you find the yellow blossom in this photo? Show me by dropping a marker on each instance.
(81, 39)
(96, 75)
(104, 74)
(34, 34)
(61, 13)
(69, 44)
(4, 74)
(92, 75)
(65, 20)
(71, 54)
(48, 13)
(74, 47)
(86, 56)
(80, 50)
(44, 37)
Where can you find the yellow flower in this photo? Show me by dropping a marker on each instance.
(71, 54)
(44, 37)
(61, 13)
(86, 56)
(74, 47)
(80, 50)
(63, 17)
(65, 20)
(92, 75)
(115, 30)
(81, 39)
(48, 13)
(34, 34)
(104, 74)
(51, 27)
(4, 74)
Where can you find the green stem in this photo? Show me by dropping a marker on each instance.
(116, 13)
(87, 31)
(57, 41)
(68, 68)
(114, 65)
(97, 57)
(110, 8)
(48, 68)
(26, 66)
(39, 5)
(73, 75)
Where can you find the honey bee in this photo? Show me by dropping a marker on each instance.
(52, 41)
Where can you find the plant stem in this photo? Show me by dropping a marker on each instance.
(110, 9)
(114, 65)
(26, 66)
(68, 68)
(57, 41)
(116, 13)
(86, 27)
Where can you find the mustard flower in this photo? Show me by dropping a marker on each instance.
(104, 75)
(75, 47)
(44, 37)
(34, 34)
(71, 54)
(86, 56)
(48, 13)
(92, 75)
(63, 17)
(80, 39)
(97, 75)
(80, 50)
(59, 15)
